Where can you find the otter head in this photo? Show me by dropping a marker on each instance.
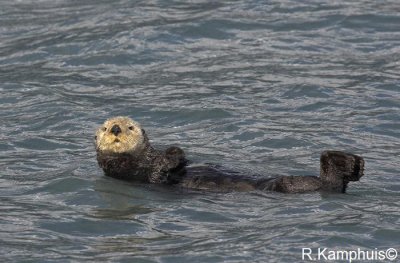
(120, 135)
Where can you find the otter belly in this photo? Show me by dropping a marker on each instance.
(213, 179)
(124, 167)
(218, 180)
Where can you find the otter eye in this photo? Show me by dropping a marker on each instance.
(131, 128)
(104, 128)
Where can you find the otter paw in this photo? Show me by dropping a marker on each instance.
(347, 166)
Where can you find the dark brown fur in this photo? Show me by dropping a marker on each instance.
(170, 167)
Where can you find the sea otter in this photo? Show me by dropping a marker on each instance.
(124, 152)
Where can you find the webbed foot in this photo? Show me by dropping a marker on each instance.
(339, 168)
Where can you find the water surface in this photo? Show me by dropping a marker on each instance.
(258, 86)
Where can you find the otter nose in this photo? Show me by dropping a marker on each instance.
(115, 130)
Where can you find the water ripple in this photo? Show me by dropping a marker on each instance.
(262, 88)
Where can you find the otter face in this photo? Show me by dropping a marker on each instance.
(120, 135)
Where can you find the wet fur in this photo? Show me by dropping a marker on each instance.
(143, 163)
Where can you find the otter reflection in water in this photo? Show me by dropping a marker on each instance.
(124, 152)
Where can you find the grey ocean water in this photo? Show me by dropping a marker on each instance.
(261, 87)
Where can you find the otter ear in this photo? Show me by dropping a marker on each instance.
(143, 132)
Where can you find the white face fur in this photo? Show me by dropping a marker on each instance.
(120, 135)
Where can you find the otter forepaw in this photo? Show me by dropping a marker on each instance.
(174, 152)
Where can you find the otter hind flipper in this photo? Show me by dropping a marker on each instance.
(339, 168)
